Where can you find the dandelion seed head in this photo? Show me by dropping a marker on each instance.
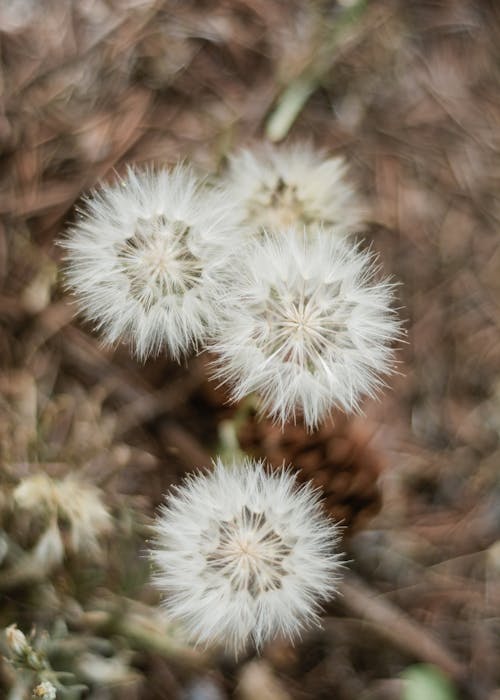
(307, 326)
(16, 640)
(146, 257)
(278, 187)
(45, 691)
(243, 555)
(74, 501)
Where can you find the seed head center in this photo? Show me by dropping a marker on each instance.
(157, 257)
(157, 260)
(300, 319)
(250, 553)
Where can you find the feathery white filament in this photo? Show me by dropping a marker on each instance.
(146, 257)
(244, 555)
(278, 187)
(306, 326)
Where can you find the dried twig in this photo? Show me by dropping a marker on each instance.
(394, 625)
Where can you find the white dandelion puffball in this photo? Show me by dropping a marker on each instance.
(277, 187)
(76, 502)
(45, 691)
(243, 555)
(307, 326)
(146, 256)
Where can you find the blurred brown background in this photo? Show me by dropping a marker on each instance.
(407, 91)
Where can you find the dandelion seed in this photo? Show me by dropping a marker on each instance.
(145, 259)
(306, 326)
(279, 187)
(244, 555)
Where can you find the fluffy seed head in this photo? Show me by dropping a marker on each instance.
(278, 187)
(16, 640)
(45, 691)
(145, 257)
(306, 326)
(69, 499)
(243, 555)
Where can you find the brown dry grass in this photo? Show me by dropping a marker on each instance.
(408, 91)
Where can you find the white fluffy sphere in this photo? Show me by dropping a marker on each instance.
(307, 326)
(146, 257)
(243, 555)
(275, 187)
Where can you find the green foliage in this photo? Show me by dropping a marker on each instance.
(426, 682)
